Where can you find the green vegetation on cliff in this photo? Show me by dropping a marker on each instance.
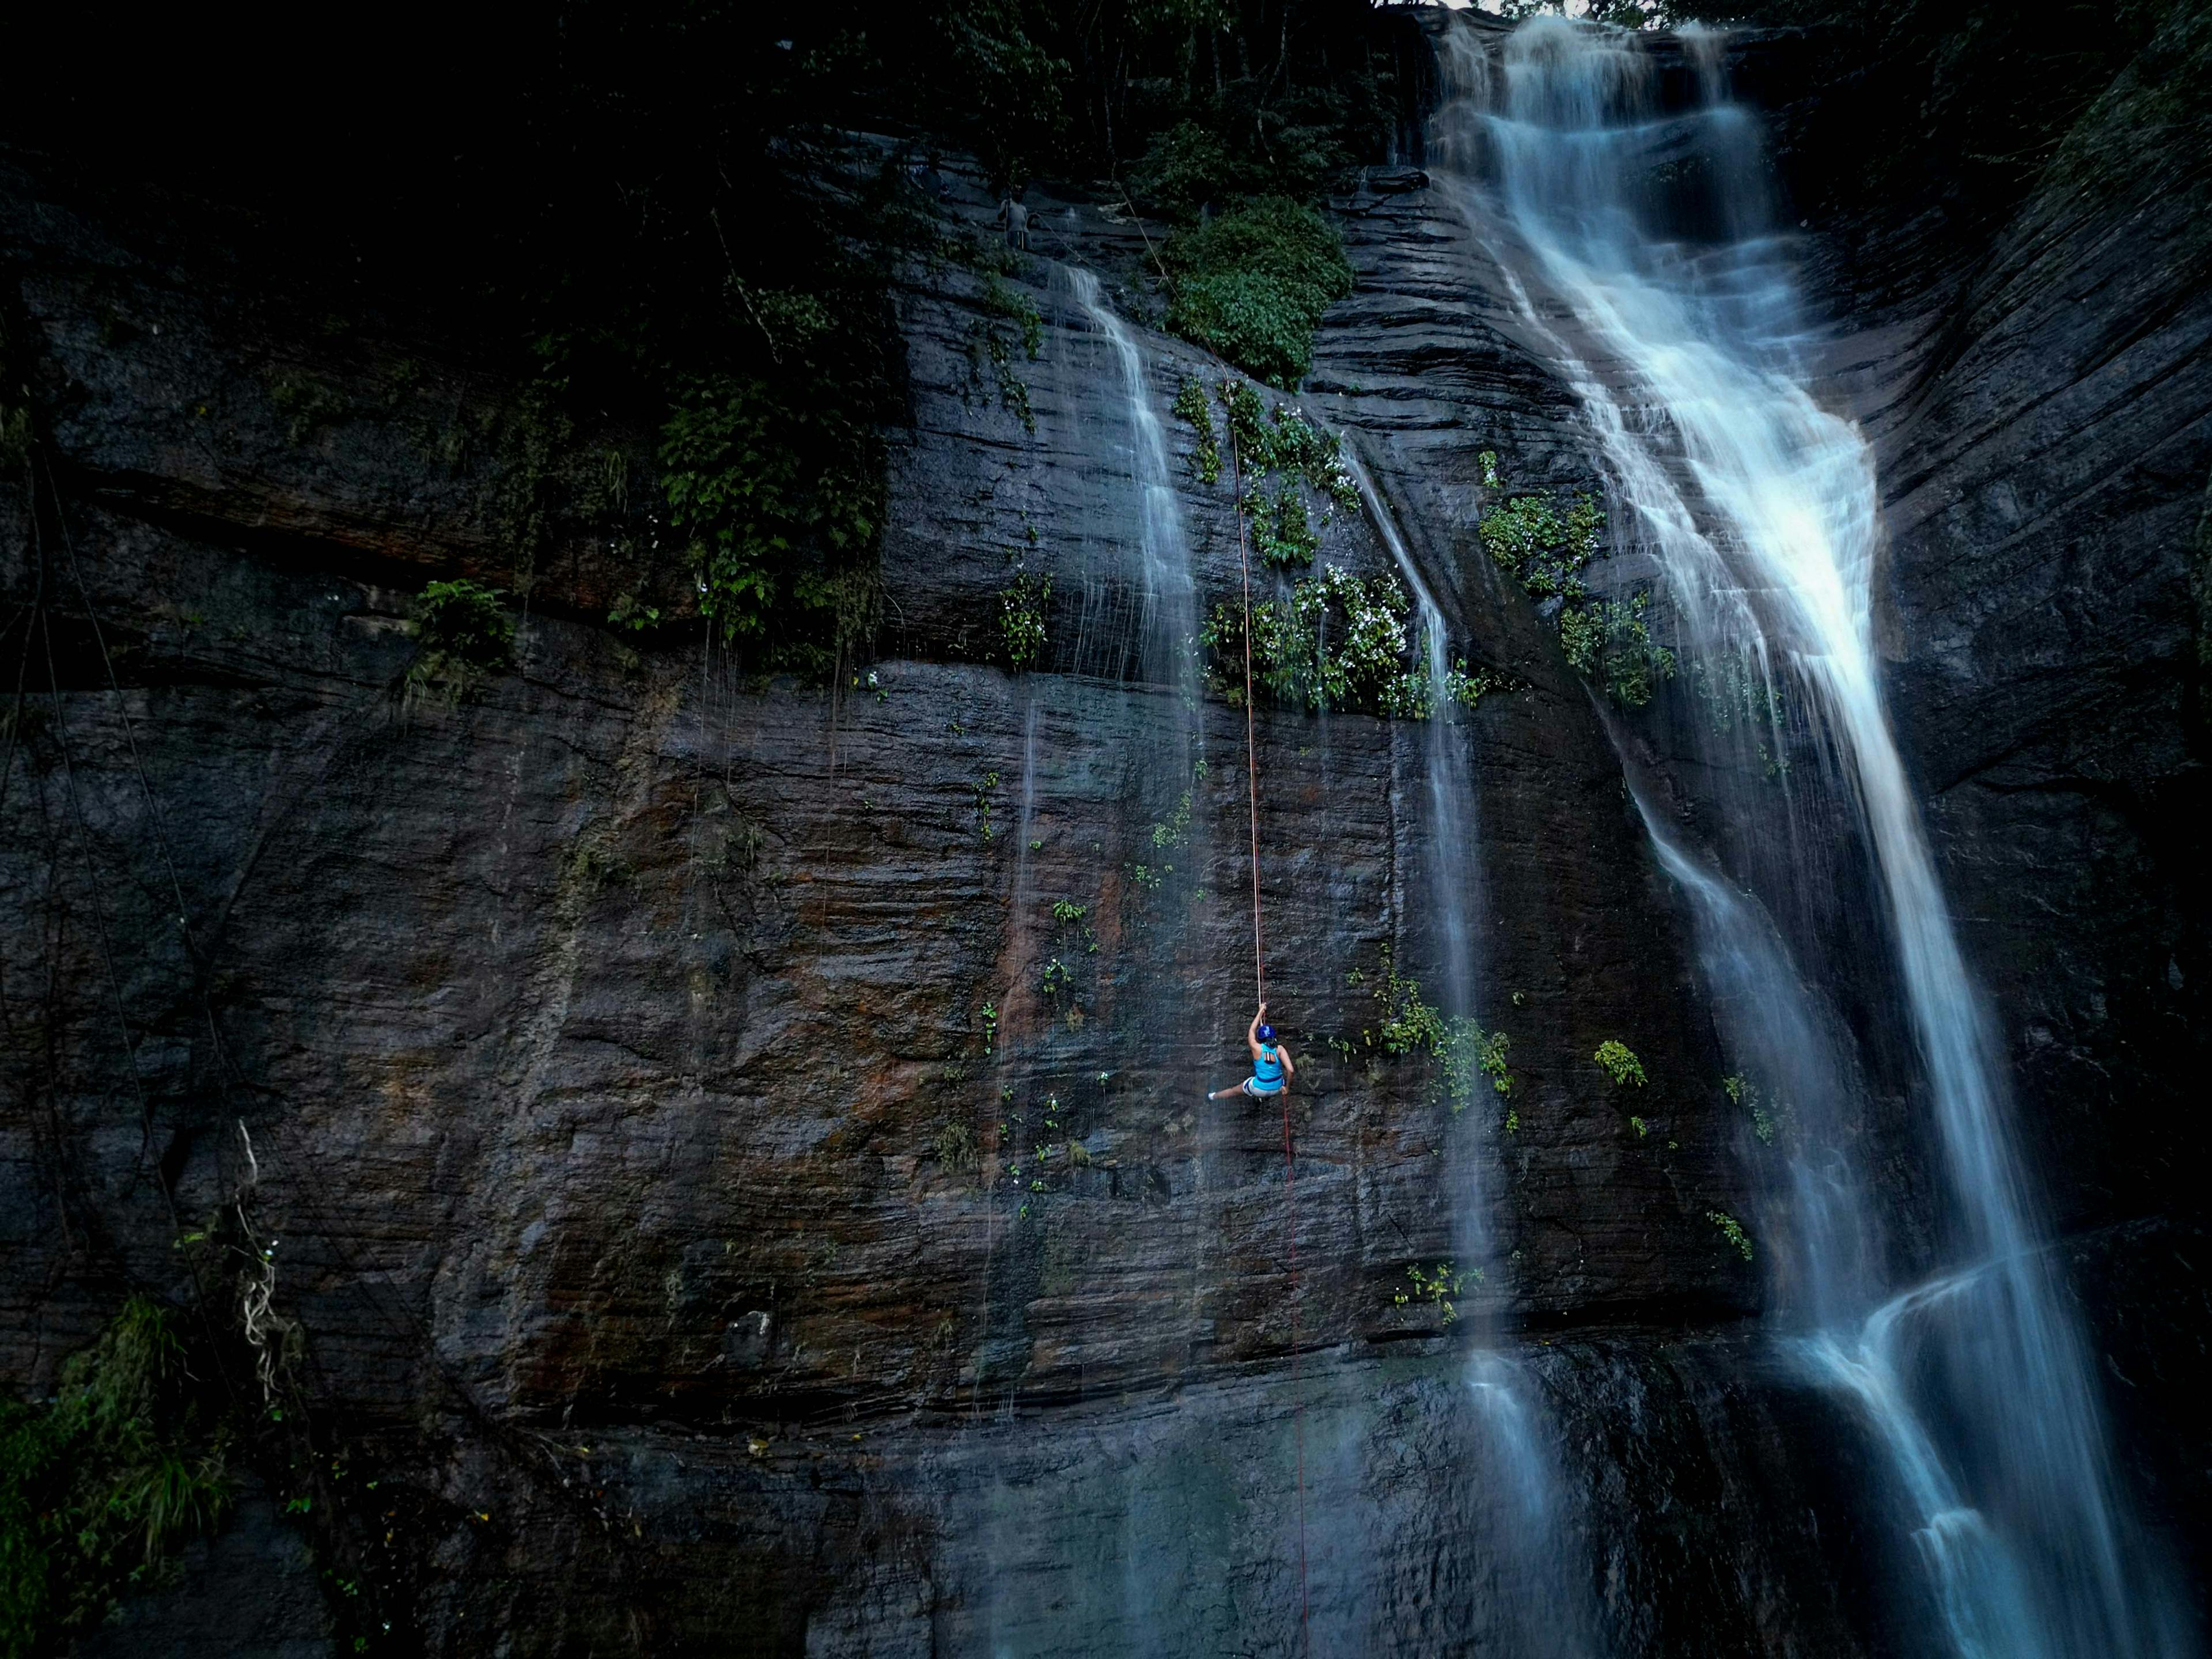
(99, 1486)
(1544, 547)
(1251, 286)
(1339, 641)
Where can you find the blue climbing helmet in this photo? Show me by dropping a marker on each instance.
(1266, 1034)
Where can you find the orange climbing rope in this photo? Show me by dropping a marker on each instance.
(1259, 998)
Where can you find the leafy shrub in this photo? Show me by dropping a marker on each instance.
(988, 340)
(955, 1149)
(1190, 406)
(1732, 1229)
(1439, 1287)
(1022, 619)
(1339, 641)
(1541, 547)
(1466, 1053)
(1469, 1055)
(1409, 1025)
(463, 633)
(1621, 1062)
(1608, 640)
(16, 438)
(1544, 547)
(1184, 169)
(1742, 1091)
(1287, 446)
(1251, 286)
(1281, 531)
(99, 1486)
(1283, 440)
(781, 500)
(306, 404)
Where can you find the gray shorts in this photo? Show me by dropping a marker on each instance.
(1251, 1086)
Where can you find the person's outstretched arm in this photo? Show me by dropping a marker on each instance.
(1252, 1032)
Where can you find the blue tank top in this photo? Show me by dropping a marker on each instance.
(1267, 1069)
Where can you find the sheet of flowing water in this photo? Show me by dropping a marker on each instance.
(1140, 620)
(1535, 1599)
(1168, 623)
(1759, 509)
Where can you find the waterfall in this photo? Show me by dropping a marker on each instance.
(1535, 1599)
(1169, 624)
(1637, 242)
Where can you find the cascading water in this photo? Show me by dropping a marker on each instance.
(1534, 1605)
(1635, 240)
(1168, 619)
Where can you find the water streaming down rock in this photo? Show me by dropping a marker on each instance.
(1535, 1604)
(1168, 624)
(1636, 240)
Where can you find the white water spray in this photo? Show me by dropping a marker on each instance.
(1639, 234)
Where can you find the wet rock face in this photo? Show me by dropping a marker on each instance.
(640, 1051)
(2042, 406)
(638, 1058)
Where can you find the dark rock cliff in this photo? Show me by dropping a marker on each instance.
(635, 1057)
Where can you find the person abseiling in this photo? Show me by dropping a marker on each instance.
(1272, 1069)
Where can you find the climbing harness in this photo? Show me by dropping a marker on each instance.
(1259, 997)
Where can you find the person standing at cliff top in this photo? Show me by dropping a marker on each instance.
(1016, 218)
(1272, 1068)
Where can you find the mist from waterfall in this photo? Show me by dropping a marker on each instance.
(1631, 214)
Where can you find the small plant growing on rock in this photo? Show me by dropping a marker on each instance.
(1466, 1053)
(1469, 1054)
(1732, 1229)
(1408, 1025)
(1619, 1061)
(1282, 533)
(1169, 835)
(15, 437)
(1340, 642)
(1609, 641)
(1741, 1092)
(99, 1485)
(1021, 619)
(462, 636)
(1438, 1287)
(1073, 918)
(1542, 547)
(592, 866)
(955, 1150)
(988, 341)
(1174, 831)
(1191, 407)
